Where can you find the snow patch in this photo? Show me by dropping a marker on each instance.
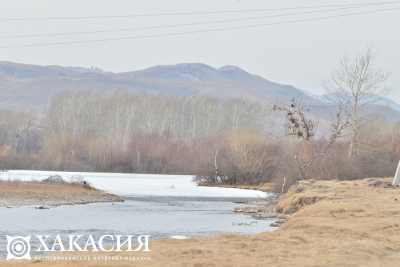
(139, 185)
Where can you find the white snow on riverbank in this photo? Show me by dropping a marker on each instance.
(138, 185)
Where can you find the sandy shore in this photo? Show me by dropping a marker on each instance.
(330, 223)
(15, 194)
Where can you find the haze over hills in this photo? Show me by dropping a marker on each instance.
(25, 86)
(28, 86)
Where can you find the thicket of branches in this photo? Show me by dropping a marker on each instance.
(220, 141)
(123, 132)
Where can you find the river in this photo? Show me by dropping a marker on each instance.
(159, 218)
(161, 206)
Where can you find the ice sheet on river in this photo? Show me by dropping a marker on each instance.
(137, 185)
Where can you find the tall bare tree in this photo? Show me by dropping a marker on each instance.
(357, 83)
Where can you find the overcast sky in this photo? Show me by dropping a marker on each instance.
(301, 54)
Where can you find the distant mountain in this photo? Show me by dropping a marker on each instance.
(379, 107)
(388, 103)
(227, 81)
(25, 86)
(31, 86)
(373, 100)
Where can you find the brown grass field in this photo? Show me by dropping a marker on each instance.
(332, 224)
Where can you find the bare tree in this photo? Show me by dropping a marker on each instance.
(357, 83)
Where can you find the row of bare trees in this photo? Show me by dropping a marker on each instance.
(124, 132)
(92, 132)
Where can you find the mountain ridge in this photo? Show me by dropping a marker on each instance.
(20, 83)
(29, 86)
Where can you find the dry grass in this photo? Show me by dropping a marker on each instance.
(334, 224)
(16, 193)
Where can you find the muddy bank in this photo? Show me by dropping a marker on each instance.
(43, 195)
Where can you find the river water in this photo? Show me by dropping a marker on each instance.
(157, 217)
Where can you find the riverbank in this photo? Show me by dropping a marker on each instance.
(330, 223)
(42, 194)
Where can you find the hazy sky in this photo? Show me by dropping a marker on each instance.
(301, 54)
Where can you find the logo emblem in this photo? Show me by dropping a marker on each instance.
(18, 248)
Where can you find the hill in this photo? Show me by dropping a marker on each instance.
(27, 87)
(31, 86)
